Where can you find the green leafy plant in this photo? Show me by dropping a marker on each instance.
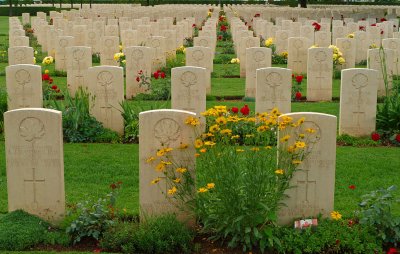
(376, 211)
(330, 236)
(131, 122)
(3, 107)
(78, 124)
(163, 234)
(93, 218)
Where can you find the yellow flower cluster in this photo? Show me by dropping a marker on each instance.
(193, 121)
(208, 187)
(118, 56)
(121, 48)
(216, 111)
(350, 36)
(373, 46)
(181, 49)
(337, 55)
(235, 61)
(285, 54)
(269, 42)
(48, 60)
(336, 215)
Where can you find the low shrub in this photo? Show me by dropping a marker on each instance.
(330, 236)
(131, 122)
(20, 230)
(163, 234)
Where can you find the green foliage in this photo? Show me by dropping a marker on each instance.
(164, 234)
(376, 211)
(3, 107)
(20, 230)
(130, 113)
(92, 218)
(347, 140)
(222, 59)
(343, 236)
(160, 90)
(78, 124)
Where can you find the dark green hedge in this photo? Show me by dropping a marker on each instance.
(17, 11)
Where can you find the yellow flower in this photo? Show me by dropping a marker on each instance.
(124, 61)
(196, 155)
(210, 185)
(214, 128)
(336, 215)
(300, 144)
(46, 72)
(373, 46)
(202, 190)
(239, 150)
(268, 147)
(209, 143)
(166, 162)
(284, 54)
(285, 138)
(198, 143)
(192, 121)
(160, 152)
(209, 14)
(255, 149)
(301, 121)
(34, 60)
(296, 162)
(233, 60)
(226, 131)
(183, 146)
(203, 150)
(177, 180)
(181, 170)
(156, 180)
(36, 52)
(341, 60)
(150, 159)
(301, 135)
(279, 171)
(235, 137)
(291, 149)
(220, 120)
(335, 56)
(116, 56)
(262, 128)
(269, 42)
(310, 130)
(120, 47)
(350, 36)
(168, 149)
(160, 167)
(172, 191)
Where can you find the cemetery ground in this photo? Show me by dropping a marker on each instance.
(362, 165)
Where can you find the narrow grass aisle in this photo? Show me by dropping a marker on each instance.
(90, 168)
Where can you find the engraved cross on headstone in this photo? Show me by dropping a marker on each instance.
(309, 185)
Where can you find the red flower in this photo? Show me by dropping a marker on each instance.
(162, 74)
(373, 25)
(140, 72)
(392, 251)
(363, 19)
(352, 187)
(97, 251)
(220, 37)
(398, 138)
(361, 28)
(156, 74)
(337, 241)
(245, 110)
(137, 79)
(382, 32)
(299, 78)
(249, 27)
(58, 90)
(298, 95)
(257, 15)
(375, 136)
(113, 186)
(383, 19)
(316, 26)
(236, 110)
(54, 87)
(50, 81)
(351, 223)
(292, 75)
(194, 25)
(223, 28)
(45, 77)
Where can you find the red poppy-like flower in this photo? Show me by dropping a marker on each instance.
(54, 87)
(298, 95)
(392, 251)
(363, 19)
(292, 75)
(223, 28)
(375, 136)
(113, 186)
(236, 110)
(299, 78)
(45, 77)
(352, 187)
(351, 223)
(156, 74)
(194, 25)
(316, 26)
(257, 15)
(50, 81)
(383, 19)
(361, 28)
(245, 110)
(382, 32)
(140, 72)
(373, 25)
(137, 79)
(220, 37)
(398, 138)
(162, 74)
